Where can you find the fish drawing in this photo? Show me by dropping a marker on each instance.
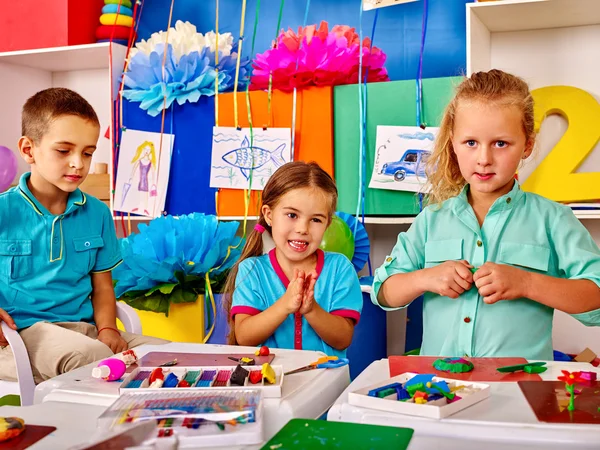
(248, 158)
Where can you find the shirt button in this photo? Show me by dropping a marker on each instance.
(508, 200)
(479, 243)
(87, 244)
(12, 248)
(388, 259)
(467, 319)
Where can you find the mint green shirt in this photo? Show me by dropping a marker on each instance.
(520, 229)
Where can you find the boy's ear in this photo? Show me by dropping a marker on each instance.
(25, 148)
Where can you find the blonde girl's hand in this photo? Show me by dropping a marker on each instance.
(497, 282)
(308, 299)
(292, 299)
(449, 279)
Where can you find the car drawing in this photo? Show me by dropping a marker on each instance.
(412, 163)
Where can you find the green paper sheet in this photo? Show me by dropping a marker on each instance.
(306, 434)
(391, 103)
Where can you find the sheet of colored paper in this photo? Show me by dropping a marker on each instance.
(306, 434)
(549, 401)
(27, 438)
(484, 369)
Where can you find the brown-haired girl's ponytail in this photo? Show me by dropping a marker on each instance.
(253, 247)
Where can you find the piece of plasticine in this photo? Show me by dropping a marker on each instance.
(474, 269)
(268, 373)
(534, 369)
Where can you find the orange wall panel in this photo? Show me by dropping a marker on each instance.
(313, 134)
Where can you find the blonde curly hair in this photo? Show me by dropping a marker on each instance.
(444, 178)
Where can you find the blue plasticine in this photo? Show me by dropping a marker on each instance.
(373, 392)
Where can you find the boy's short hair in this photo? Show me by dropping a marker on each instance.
(45, 106)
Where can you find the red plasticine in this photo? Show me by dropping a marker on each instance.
(255, 376)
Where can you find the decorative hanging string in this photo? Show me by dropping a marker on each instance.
(164, 109)
(249, 111)
(419, 83)
(217, 72)
(117, 121)
(361, 114)
(420, 119)
(247, 192)
(217, 90)
(270, 90)
(237, 66)
(294, 96)
(363, 185)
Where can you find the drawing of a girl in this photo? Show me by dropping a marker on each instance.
(145, 161)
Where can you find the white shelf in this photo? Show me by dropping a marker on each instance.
(63, 59)
(368, 220)
(516, 15)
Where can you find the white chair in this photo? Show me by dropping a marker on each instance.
(25, 386)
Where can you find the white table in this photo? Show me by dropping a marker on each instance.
(305, 395)
(496, 423)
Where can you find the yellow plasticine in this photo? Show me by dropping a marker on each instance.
(268, 373)
(114, 19)
(555, 177)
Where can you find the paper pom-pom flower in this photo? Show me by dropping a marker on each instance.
(168, 259)
(322, 57)
(189, 68)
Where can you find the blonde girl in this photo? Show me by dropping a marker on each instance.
(492, 261)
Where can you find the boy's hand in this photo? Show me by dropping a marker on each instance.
(292, 299)
(450, 279)
(113, 340)
(308, 299)
(497, 282)
(5, 317)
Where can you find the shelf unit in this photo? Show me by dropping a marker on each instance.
(546, 42)
(93, 70)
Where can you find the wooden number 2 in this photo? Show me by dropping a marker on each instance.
(555, 176)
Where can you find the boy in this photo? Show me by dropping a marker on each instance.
(58, 246)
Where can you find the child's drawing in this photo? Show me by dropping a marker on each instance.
(400, 158)
(234, 159)
(143, 172)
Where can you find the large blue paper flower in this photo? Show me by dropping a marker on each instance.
(185, 80)
(167, 261)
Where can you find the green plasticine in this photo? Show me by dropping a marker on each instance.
(535, 369)
(414, 388)
(386, 392)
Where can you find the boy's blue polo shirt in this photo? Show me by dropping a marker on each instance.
(46, 260)
(520, 229)
(260, 282)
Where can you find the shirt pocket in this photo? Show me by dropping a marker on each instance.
(436, 252)
(15, 259)
(535, 257)
(86, 249)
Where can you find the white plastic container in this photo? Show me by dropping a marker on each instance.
(475, 393)
(268, 390)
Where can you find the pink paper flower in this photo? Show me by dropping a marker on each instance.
(325, 58)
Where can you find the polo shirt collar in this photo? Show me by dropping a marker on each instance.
(507, 201)
(75, 200)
